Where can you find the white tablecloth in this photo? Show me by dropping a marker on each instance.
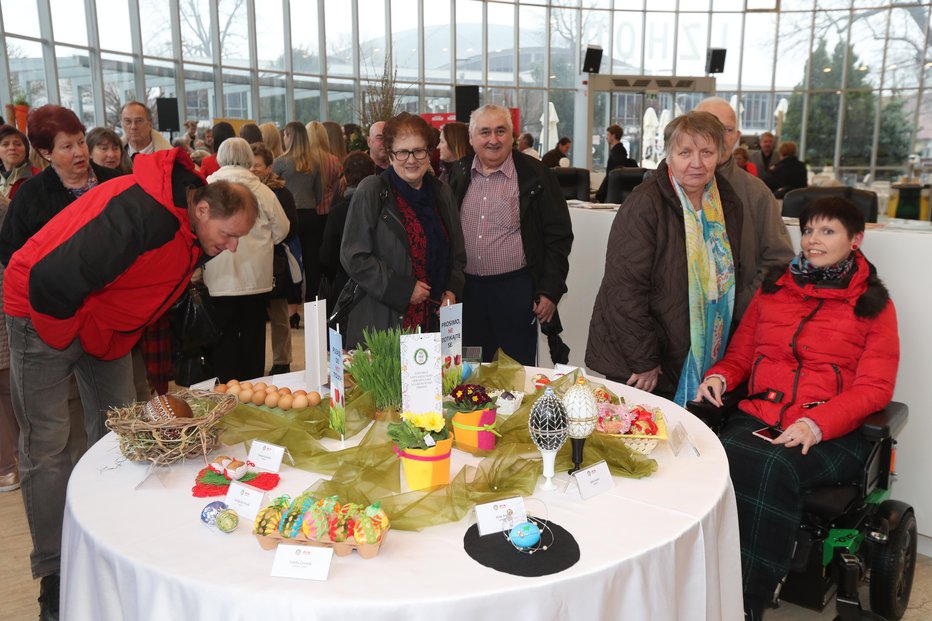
(662, 547)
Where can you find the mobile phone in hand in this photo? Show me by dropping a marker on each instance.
(767, 433)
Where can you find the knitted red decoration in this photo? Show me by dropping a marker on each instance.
(209, 483)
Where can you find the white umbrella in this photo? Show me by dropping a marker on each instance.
(649, 137)
(549, 120)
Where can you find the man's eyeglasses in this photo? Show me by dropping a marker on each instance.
(404, 154)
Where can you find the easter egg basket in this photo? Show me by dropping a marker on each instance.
(171, 440)
(644, 443)
(340, 548)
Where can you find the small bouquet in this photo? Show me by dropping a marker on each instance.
(414, 429)
(470, 397)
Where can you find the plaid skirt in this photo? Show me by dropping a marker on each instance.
(769, 480)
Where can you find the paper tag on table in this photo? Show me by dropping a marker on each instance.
(594, 479)
(247, 500)
(421, 379)
(315, 344)
(206, 384)
(678, 437)
(305, 562)
(266, 456)
(451, 340)
(494, 517)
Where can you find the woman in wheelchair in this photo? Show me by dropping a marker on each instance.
(818, 348)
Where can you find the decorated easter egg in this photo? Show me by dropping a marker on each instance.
(315, 524)
(227, 520)
(547, 423)
(525, 535)
(164, 407)
(211, 511)
(365, 530)
(581, 409)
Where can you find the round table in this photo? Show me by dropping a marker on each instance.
(662, 547)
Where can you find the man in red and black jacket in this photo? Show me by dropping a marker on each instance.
(77, 296)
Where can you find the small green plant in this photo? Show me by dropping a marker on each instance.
(20, 101)
(413, 430)
(378, 370)
(470, 398)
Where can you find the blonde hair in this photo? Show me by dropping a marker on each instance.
(272, 139)
(300, 148)
(337, 139)
(320, 150)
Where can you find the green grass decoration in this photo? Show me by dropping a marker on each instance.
(378, 371)
(452, 378)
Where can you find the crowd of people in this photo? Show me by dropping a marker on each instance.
(702, 290)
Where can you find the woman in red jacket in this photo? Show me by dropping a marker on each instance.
(819, 349)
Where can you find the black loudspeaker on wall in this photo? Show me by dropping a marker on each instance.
(467, 100)
(167, 110)
(715, 60)
(593, 59)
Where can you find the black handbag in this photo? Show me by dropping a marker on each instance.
(349, 298)
(191, 319)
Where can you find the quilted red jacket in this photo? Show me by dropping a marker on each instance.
(110, 263)
(829, 354)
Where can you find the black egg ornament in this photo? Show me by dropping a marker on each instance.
(547, 424)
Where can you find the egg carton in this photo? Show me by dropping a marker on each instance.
(506, 407)
(340, 548)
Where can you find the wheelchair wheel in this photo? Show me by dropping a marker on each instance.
(892, 569)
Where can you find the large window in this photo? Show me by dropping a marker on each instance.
(845, 79)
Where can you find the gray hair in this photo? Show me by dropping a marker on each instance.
(235, 152)
(695, 123)
(487, 109)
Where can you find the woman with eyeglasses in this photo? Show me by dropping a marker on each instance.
(403, 242)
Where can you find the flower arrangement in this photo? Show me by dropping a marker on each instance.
(413, 429)
(469, 398)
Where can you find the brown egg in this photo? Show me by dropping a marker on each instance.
(247, 385)
(271, 400)
(233, 382)
(300, 402)
(284, 390)
(271, 388)
(245, 395)
(164, 407)
(234, 389)
(221, 388)
(260, 386)
(298, 393)
(285, 402)
(258, 397)
(313, 398)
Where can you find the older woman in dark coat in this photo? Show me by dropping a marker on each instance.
(403, 242)
(663, 313)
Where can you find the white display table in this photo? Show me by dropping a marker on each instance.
(662, 547)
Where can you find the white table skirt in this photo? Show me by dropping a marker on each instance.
(662, 547)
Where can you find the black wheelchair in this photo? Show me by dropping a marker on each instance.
(850, 532)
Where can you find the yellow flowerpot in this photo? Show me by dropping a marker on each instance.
(427, 467)
(475, 430)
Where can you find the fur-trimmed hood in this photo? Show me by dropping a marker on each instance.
(866, 290)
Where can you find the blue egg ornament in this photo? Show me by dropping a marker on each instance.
(525, 535)
(210, 512)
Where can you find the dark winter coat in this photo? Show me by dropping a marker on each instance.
(641, 315)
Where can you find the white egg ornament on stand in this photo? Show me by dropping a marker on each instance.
(582, 412)
(547, 425)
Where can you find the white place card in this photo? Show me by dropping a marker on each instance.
(421, 379)
(494, 517)
(266, 456)
(594, 479)
(315, 345)
(305, 562)
(247, 500)
(451, 341)
(678, 437)
(206, 384)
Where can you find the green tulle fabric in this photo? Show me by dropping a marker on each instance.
(370, 471)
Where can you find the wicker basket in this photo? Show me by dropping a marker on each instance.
(166, 442)
(642, 443)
